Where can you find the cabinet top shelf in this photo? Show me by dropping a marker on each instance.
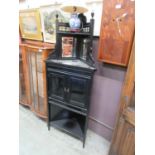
(75, 63)
(66, 33)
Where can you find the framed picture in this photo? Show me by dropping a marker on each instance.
(67, 47)
(30, 24)
(48, 21)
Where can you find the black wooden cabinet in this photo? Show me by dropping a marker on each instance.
(69, 90)
(68, 87)
(70, 69)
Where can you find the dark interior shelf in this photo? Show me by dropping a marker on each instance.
(67, 121)
(70, 126)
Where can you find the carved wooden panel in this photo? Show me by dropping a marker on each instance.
(127, 145)
(123, 141)
(117, 31)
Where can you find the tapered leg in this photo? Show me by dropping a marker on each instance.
(48, 127)
(84, 143)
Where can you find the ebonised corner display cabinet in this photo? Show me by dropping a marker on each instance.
(70, 69)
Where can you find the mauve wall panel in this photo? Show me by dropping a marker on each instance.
(101, 130)
(104, 99)
(105, 96)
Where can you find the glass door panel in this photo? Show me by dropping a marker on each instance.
(31, 58)
(39, 62)
(41, 92)
(34, 79)
(30, 74)
(22, 86)
(56, 86)
(34, 60)
(77, 89)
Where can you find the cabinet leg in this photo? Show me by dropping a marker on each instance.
(48, 125)
(83, 145)
(84, 141)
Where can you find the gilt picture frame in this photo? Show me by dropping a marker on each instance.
(30, 24)
(48, 21)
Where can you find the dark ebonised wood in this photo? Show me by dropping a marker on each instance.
(69, 82)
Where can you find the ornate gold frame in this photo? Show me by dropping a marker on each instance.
(29, 27)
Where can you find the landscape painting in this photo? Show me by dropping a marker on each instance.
(30, 24)
(48, 18)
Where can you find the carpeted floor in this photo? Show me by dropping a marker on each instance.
(35, 139)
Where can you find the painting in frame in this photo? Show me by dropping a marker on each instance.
(67, 47)
(48, 21)
(30, 24)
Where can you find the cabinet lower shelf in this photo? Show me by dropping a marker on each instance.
(69, 126)
(67, 121)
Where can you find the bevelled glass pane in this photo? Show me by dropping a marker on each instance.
(41, 91)
(39, 62)
(33, 78)
(77, 91)
(56, 85)
(22, 86)
(30, 73)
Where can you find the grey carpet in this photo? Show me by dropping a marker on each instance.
(35, 139)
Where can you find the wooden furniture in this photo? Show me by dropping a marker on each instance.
(23, 87)
(123, 142)
(116, 32)
(35, 54)
(69, 80)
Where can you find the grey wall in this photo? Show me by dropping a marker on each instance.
(106, 91)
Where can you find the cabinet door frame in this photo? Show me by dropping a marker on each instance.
(44, 54)
(22, 100)
(59, 75)
(86, 83)
(26, 76)
(68, 76)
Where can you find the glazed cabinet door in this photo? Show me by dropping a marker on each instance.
(22, 80)
(67, 88)
(56, 86)
(36, 78)
(77, 91)
(117, 31)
